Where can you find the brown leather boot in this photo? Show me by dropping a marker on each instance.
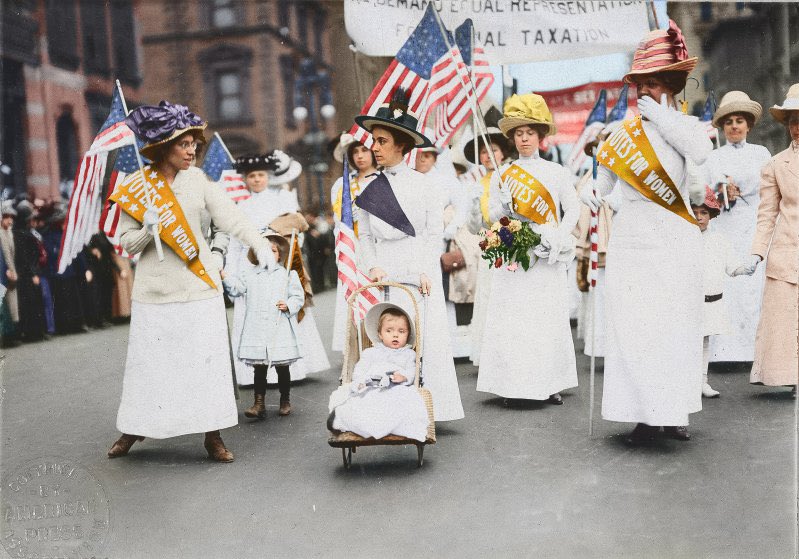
(257, 409)
(123, 444)
(285, 406)
(216, 448)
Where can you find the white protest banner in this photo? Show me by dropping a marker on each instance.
(510, 31)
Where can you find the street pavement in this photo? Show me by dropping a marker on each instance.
(518, 481)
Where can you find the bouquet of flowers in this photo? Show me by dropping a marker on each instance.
(509, 241)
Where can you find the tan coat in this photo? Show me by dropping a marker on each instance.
(779, 196)
(171, 281)
(777, 342)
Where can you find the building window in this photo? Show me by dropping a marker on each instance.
(226, 78)
(283, 17)
(287, 74)
(67, 144)
(302, 23)
(124, 42)
(319, 22)
(62, 34)
(705, 11)
(224, 13)
(95, 37)
(12, 132)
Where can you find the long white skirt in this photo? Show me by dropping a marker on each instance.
(527, 348)
(438, 366)
(177, 374)
(653, 360)
(481, 294)
(742, 294)
(376, 413)
(314, 358)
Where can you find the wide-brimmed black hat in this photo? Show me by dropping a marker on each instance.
(397, 116)
(495, 136)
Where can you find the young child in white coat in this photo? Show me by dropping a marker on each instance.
(382, 397)
(269, 335)
(719, 261)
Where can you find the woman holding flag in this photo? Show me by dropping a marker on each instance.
(527, 349)
(400, 232)
(362, 166)
(736, 167)
(178, 378)
(654, 292)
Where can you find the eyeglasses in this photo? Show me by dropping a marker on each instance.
(187, 145)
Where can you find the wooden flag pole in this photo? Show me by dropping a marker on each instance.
(159, 250)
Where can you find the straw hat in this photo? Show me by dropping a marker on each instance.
(736, 102)
(529, 108)
(495, 136)
(344, 143)
(7, 208)
(285, 170)
(272, 237)
(396, 115)
(373, 318)
(791, 103)
(661, 50)
(157, 126)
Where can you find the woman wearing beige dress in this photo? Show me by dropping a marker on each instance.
(777, 237)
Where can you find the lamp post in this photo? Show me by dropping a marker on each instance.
(312, 87)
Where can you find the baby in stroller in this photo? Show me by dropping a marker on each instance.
(382, 399)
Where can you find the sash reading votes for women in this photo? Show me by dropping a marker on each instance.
(174, 229)
(628, 153)
(531, 199)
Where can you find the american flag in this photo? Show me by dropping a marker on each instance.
(348, 273)
(707, 116)
(619, 111)
(85, 204)
(593, 233)
(425, 67)
(453, 112)
(125, 164)
(593, 126)
(218, 165)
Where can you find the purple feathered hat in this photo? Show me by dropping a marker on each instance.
(156, 126)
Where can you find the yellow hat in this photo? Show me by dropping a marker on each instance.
(529, 108)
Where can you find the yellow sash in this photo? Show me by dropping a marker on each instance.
(628, 153)
(355, 189)
(174, 229)
(531, 199)
(485, 181)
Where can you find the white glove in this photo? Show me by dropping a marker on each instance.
(591, 197)
(266, 259)
(654, 112)
(385, 382)
(150, 221)
(749, 267)
(217, 259)
(505, 197)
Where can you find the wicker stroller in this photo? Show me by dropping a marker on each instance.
(348, 441)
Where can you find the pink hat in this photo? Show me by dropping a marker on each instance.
(711, 202)
(662, 50)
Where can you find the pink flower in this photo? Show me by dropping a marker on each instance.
(512, 267)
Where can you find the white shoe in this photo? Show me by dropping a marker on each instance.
(708, 392)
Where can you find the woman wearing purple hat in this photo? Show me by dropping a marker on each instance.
(177, 374)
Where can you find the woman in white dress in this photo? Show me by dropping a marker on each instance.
(177, 373)
(362, 165)
(400, 235)
(527, 348)
(265, 176)
(738, 164)
(479, 219)
(654, 293)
